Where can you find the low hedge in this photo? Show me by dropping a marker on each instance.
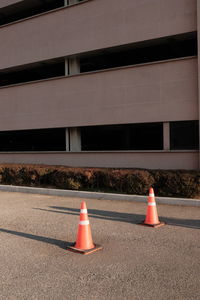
(172, 183)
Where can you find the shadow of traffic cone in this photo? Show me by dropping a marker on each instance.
(84, 243)
(152, 215)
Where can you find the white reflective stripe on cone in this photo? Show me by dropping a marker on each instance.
(84, 211)
(151, 195)
(152, 203)
(84, 222)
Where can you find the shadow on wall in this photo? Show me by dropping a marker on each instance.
(122, 217)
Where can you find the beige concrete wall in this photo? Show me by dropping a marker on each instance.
(93, 25)
(151, 160)
(148, 93)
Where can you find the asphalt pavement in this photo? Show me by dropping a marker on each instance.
(136, 262)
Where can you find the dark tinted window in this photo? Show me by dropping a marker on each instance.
(184, 135)
(27, 8)
(143, 52)
(147, 136)
(37, 71)
(33, 140)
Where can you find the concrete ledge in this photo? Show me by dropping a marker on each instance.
(97, 195)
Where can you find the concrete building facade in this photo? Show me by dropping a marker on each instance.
(98, 83)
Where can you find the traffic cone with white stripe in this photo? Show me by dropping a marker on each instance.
(152, 219)
(84, 243)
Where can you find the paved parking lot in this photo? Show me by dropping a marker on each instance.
(136, 262)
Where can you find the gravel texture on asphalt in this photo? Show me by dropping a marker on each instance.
(136, 262)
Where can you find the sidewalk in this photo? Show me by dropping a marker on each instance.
(99, 196)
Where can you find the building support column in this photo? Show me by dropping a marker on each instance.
(67, 140)
(73, 135)
(75, 139)
(198, 39)
(166, 136)
(72, 66)
(70, 2)
(73, 2)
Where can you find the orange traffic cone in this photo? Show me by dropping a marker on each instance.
(152, 215)
(84, 243)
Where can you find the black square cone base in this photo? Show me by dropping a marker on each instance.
(84, 252)
(153, 225)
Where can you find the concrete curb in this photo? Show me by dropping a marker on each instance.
(100, 196)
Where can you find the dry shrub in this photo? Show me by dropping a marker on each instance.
(138, 182)
(177, 183)
(169, 183)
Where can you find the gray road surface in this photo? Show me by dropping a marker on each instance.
(136, 263)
